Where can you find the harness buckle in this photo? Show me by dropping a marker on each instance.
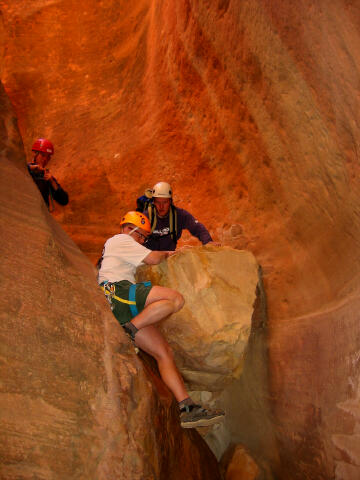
(109, 291)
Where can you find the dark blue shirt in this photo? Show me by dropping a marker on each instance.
(161, 238)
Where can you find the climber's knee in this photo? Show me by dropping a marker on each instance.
(178, 301)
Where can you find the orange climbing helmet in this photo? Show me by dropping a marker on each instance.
(43, 145)
(138, 219)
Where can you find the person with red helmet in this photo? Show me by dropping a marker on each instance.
(48, 186)
(138, 307)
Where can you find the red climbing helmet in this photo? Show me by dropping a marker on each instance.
(43, 145)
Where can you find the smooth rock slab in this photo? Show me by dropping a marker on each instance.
(210, 334)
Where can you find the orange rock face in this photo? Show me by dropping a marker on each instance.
(241, 465)
(250, 110)
(75, 400)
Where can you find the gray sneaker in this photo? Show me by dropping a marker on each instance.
(192, 416)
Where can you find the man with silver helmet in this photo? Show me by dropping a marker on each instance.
(168, 221)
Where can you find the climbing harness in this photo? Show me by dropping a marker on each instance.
(109, 291)
(132, 297)
(172, 220)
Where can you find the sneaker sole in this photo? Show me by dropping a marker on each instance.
(202, 422)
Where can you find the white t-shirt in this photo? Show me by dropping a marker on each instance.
(122, 255)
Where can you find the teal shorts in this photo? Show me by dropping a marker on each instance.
(117, 294)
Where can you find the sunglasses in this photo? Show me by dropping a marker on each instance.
(136, 230)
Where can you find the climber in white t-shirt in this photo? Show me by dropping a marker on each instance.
(139, 306)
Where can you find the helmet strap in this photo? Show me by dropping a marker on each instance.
(133, 230)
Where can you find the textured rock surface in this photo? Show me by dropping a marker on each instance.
(252, 104)
(210, 334)
(219, 339)
(75, 400)
(240, 465)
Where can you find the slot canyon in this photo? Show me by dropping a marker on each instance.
(249, 109)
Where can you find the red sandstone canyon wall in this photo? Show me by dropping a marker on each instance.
(250, 109)
(75, 399)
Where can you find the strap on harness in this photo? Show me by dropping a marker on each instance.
(132, 297)
(173, 223)
(172, 220)
(109, 290)
(152, 217)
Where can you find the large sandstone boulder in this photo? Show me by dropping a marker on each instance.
(219, 337)
(75, 399)
(210, 334)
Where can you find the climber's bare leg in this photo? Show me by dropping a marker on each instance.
(160, 303)
(152, 342)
